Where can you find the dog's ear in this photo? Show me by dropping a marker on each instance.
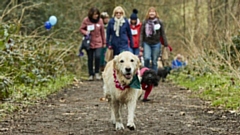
(138, 62)
(115, 59)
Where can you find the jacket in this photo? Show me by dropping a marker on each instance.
(155, 38)
(97, 35)
(177, 64)
(119, 43)
(136, 32)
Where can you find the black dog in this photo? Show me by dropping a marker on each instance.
(163, 72)
(150, 77)
(149, 80)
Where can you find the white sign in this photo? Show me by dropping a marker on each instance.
(90, 27)
(157, 26)
(134, 32)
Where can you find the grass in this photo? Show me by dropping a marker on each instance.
(221, 91)
(24, 96)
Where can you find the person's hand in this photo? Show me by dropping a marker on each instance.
(140, 54)
(109, 47)
(81, 54)
(170, 48)
(87, 36)
(87, 33)
(141, 49)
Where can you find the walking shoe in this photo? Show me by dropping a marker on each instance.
(90, 78)
(97, 76)
(146, 100)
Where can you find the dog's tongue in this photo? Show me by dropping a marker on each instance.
(128, 76)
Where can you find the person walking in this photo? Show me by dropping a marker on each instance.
(135, 26)
(119, 32)
(105, 18)
(93, 26)
(151, 32)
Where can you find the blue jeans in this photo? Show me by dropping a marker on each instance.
(151, 52)
(94, 55)
(135, 51)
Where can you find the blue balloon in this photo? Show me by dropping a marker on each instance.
(47, 25)
(53, 20)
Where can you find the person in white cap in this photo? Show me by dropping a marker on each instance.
(178, 62)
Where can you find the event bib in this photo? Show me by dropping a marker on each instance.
(90, 27)
(157, 26)
(134, 32)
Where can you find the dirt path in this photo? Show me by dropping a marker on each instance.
(78, 111)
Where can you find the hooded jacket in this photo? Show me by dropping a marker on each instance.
(136, 32)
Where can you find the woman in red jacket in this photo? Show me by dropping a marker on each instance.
(93, 25)
(135, 26)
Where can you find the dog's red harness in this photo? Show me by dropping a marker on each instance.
(117, 84)
(146, 87)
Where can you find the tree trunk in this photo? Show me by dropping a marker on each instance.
(211, 22)
(184, 21)
(196, 26)
(226, 16)
(238, 12)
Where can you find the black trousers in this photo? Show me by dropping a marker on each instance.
(94, 55)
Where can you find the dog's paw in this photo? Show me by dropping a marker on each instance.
(113, 121)
(119, 126)
(131, 126)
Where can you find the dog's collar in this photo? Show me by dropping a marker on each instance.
(117, 84)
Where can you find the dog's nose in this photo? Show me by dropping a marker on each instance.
(128, 69)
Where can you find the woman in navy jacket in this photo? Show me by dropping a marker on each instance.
(119, 32)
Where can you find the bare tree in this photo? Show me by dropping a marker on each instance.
(196, 12)
(184, 20)
(226, 15)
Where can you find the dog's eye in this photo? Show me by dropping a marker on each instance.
(121, 61)
(132, 60)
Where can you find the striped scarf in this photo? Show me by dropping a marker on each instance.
(150, 27)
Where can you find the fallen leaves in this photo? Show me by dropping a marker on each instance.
(103, 99)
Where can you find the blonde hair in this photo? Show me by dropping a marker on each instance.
(104, 15)
(118, 8)
(179, 56)
(155, 10)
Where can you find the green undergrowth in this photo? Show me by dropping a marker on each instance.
(24, 96)
(34, 66)
(221, 90)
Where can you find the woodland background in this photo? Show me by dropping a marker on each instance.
(206, 32)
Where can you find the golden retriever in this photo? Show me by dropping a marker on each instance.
(117, 76)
